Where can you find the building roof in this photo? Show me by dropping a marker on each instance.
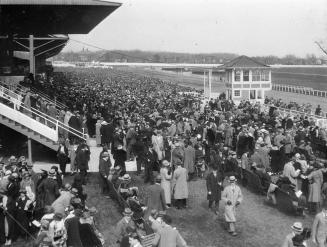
(243, 62)
(41, 17)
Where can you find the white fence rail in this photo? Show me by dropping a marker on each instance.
(299, 90)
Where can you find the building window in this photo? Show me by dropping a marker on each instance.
(237, 93)
(237, 75)
(246, 75)
(265, 75)
(252, 94)
(259, 94)
(256, 75)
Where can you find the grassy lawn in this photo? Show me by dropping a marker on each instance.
(258, 225)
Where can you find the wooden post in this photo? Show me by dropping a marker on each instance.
(29, 146)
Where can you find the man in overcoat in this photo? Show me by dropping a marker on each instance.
(214, 181)
(150, 162)
(180, 185)
(319, 227)
(232, 197)
(104, 169)
(156, 197)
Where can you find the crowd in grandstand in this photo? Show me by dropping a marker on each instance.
(174, 138)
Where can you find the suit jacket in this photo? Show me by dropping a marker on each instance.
(104, 167)
(156, 198)
(168, 237)
(319, 228)
(214, 187)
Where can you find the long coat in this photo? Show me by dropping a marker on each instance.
(319, 229)
(49, 187)
(232, 194)
(82, 157)
(214, 187)
(98, 133)
(316, 178)
(165, 183)
(158, 146)
(62, 202)
(189, 158)
(180, 183)
(168, 237)
(156, 199)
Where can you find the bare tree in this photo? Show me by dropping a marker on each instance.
(321, 48)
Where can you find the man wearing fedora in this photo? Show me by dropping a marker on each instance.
(123, 224)
(104, 169)
(49, 187)
(156, 197)
(297, 230)
(232, 197)
(319, 227)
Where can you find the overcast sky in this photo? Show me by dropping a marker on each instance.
(249, 27)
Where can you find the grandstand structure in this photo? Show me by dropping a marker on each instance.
(30, 32)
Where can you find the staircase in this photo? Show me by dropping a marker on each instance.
(29, 132)
(31, 122)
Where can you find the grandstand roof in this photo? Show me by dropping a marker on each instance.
(243, 62)
(41, 17)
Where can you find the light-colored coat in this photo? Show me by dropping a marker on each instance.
(156, 199)
(319, 229)
(290, 172)
(168, 237)
(158, 146)
(62, 202)
(165, 183)
(233, 194)
(98, 133)
(180, 183)
(189, 159)
(315, 187)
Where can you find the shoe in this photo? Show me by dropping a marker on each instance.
(8, 242)
(108, 197)
(234, 234)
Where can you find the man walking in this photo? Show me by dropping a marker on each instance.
(232, 197)
(214, 181)
(319, 227)
(104, 169)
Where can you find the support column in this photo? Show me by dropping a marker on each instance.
(204, 83)
(29, 147)
(31, 54)
(210, 82)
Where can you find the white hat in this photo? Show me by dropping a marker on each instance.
(232, 179)
(297, 227)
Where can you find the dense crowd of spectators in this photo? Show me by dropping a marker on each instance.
(177, 135)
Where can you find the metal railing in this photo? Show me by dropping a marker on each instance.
(299, 90)
(22, 90)
(15, 101)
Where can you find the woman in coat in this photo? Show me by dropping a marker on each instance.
(63, 157)
(158, 144)
(315, 183)
(166, 175)
(180, 185)
(189, 157)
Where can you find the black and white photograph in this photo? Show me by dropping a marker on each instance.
(163, 123)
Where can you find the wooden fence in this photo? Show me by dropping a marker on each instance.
(299, 90)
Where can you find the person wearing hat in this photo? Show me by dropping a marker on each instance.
(150, 163)
(213, 182)
(57, 230)
(180, 187)
(49, 188)
(297, 230)
(63, 201)
(104, 170)
(166, 175)
(167, 235)
(62, 156)
(156, 197)
(82, 159)
(177, 153)
(232, 197)
(120, 157)
(123, 224)
(43, 238)
(315, 178)
(106, 132)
